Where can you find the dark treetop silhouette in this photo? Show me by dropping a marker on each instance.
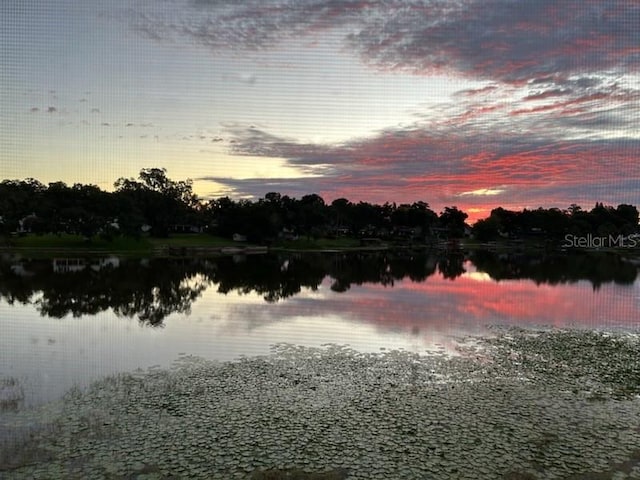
(160, 205)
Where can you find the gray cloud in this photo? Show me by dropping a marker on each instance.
(493, 39)
(556, 119)
(440, 164)
(505, 40)
(251, 24)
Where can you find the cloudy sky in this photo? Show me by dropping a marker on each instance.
(474, 103)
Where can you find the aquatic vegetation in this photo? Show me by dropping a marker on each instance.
(596, 363)
(514, 406)
(297, 474)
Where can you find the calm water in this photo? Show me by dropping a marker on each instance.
(65, 322)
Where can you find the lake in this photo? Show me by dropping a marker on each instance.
(69, 321)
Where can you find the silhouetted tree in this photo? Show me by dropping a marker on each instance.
(454, 221)
(156, 199)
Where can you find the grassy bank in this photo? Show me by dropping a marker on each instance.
(147, 245)
(121, 245)
(67, 241)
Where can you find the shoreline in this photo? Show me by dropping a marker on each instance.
(166, 251)
(538, 404)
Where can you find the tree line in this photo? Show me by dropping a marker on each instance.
(153, 201)
(554, 224)
(155, 204)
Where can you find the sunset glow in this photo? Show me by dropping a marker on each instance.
(473, 103)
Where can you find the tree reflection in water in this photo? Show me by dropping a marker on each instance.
(149, 290)
(555, 268)
(152, 289)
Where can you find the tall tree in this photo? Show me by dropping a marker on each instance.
(158, 200)
(453, 220)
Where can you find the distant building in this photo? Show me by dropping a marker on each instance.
(25, 224)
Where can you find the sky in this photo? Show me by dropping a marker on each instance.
(472, 103)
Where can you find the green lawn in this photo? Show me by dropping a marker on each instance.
(118, 244)
(146, 245)
(193, 240)
(64, 241)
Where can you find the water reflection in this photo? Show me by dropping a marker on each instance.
(152, 289)
(557, 267)
(67, 321)
(147, 289)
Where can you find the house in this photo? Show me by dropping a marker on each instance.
(110, 227)
(25, 224)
